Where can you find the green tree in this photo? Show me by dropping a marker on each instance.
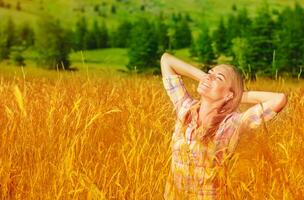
(162, 34)
(193, 49)
(262, 40)
(104, 36)
(204, 47)
(96, 35)
(234, 7)
(7, 38)
(175, 17)
(79, 35)
(89, 41)
(290, 40)
(16, 55)
(120, 37)
(232, 31)
(18, 6)
(244, 23)
(238, 25)
(52, 44)
(183, 36)
(26, 35)
(241, 51)
(220, 38)
(188, 17)
(4, 49)
(91, 38)
(113, 9)
(143, 51)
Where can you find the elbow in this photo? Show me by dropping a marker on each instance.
(164, 57)
(164, 61)
(165, 65)
(282, 101)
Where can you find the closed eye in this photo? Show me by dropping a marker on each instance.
(220, 78)
(217, 76)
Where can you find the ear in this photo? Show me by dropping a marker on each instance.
(230, 95)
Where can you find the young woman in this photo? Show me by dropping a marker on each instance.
(207, 130)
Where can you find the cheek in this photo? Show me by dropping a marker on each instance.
(216, 91)
(219, 90)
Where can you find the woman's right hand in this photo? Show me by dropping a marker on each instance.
(173, 65)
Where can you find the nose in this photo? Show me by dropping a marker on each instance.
(210, 77)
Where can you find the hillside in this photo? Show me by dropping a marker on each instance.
(114, 11)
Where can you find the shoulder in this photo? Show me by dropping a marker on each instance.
(232, 119)
(229, 124)
(228, 133)
(184, 112)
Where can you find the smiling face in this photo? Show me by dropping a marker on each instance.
(216, 84)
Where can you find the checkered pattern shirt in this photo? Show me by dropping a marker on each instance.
(194, 163)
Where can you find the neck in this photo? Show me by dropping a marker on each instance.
(207, 110)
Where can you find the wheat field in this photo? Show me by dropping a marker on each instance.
(69, 136)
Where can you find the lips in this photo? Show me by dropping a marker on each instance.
(206, 85)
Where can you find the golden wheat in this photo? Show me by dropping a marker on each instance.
(64, 136)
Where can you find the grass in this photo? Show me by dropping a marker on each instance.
(206, 10)
(96, 62)
(113, 57)
(92, 60)
(78, 136)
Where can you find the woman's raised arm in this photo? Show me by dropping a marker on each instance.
(276, 101)
(268, 104)
(171, 65)
(172, 69)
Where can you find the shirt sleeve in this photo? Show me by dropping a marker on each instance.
(229, 133)
(254, 116)
(178, 94)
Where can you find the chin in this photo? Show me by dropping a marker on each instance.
(199, 91)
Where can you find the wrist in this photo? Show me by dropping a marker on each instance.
(247, 97)
(244, 97)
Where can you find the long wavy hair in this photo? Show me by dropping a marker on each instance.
(208, 132)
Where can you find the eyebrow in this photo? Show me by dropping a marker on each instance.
(219, 74)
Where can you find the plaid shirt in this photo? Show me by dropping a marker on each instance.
(194, 163)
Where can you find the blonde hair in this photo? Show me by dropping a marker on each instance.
(226, 108)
